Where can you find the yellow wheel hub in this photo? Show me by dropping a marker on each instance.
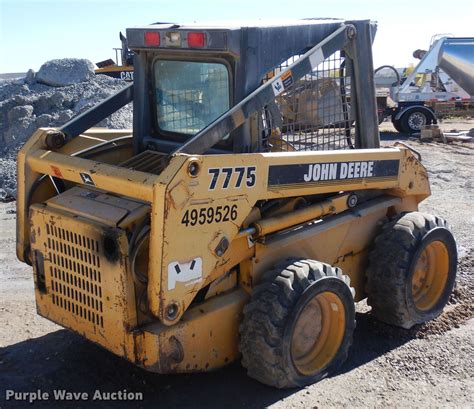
(430, 275)
(318, 333)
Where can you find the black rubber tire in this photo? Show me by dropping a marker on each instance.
(396, 125)
(392, 263)
(405, 119)
(271, 314)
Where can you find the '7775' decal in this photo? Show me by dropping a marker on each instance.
(244, 176)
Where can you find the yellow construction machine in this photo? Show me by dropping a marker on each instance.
(112, 68)
(228, 224)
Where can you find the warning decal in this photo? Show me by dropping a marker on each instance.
(287, 79)
(280, 84)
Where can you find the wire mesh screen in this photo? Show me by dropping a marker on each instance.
(190, 95)
(313, 113)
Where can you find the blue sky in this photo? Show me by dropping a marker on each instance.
(34, 31)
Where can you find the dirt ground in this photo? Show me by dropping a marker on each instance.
(428, 366)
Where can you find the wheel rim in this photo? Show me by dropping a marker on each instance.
(416, 121)
(430, 275)
(318, 333)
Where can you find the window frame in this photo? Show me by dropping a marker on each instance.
(178, 137)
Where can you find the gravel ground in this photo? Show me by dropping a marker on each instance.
(428, 366)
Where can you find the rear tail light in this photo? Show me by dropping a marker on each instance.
(196, 40)
(173, 39)
(152, 38)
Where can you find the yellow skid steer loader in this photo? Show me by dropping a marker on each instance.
(247, 211)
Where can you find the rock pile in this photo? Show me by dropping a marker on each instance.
(68, 71)
(59, 91)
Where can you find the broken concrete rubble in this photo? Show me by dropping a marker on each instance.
(433, 132)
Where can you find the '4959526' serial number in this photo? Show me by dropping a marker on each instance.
(208, 215)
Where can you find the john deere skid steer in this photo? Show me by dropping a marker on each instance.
(247, 211)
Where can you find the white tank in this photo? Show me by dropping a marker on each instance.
(456, 58)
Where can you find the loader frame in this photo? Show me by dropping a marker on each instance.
(194, 217)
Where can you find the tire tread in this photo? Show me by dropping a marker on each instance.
(265, 317)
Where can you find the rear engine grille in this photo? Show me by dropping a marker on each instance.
(75, 273)
(147, 161)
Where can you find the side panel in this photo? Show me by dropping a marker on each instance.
(345, 246)
(343, 240)
(205, 209)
